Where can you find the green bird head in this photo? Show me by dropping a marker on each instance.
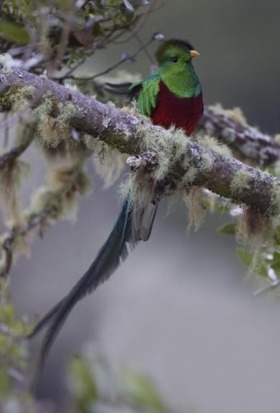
(173, 56)
(175, 70)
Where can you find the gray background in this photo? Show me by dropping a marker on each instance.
(180, 308)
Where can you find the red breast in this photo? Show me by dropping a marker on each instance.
(183, 113)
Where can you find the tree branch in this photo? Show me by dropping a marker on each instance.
(13, 153)
(249, 141)
(195, 164)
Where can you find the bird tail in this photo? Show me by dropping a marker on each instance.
(131, 226)
(128, 89)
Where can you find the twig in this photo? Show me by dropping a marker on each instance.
(8, 243)
(270, 286)
(117, 64)
(14, 153)
(249, 141)
(33, 220)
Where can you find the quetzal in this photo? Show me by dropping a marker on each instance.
(170, 96)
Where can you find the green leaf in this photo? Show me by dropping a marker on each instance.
(143, 392)
(275, 263)
(13, 32)
(276, 235)
(247, 259)
(83, 382)
(4, 383)
(228, 229)
(244, 256)
(64, 4)
(276, 258)
(262, 270)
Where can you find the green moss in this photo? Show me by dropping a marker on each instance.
(58, 199)
(235, 114)
(195, 203)
(274, 209)
(210, 142)
(140, 192)
(20, 97)
(66, 113)
(53, 130)
(48, 105)
(174, 199)
(5, 102)
(48, 200)
(6, 63)
(114, 140)
(16, 98)
(189, 176)
(11, 177)
(53, 121)
(109, 163)
(13, 353)
(169, 144)
(206, 162)
(9, 97)
(253, 229)
(240, 182)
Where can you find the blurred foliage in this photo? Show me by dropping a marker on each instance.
(95, 388)
(93, 384)
(14, 33)
(63, 33)
(263, 260)
(14, 358)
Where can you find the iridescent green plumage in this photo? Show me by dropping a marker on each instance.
(175, 70)
(147, 97)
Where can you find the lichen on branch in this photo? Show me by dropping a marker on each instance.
(196, 164)
(66, 121)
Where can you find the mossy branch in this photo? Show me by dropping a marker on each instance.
(187, 162)
(108, 123)
(231, 128)
(53, 201)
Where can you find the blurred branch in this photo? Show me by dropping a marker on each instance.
(63, 35)
(14, 358)
(53, 202)
(14, 153)
(9, 239)
(125, 58)
(248, 141)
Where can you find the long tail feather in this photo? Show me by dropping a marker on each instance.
(127, 89)
(142, 221)
(127, 229)
(45, 319)
(118, 89)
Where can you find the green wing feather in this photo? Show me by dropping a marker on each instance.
(147, 92)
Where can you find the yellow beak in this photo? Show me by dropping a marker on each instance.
(194, 53)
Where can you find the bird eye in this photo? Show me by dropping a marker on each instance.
(174, 59)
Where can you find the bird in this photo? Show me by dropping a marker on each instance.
(171, 96)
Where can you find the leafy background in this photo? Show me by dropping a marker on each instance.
(180, 307)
